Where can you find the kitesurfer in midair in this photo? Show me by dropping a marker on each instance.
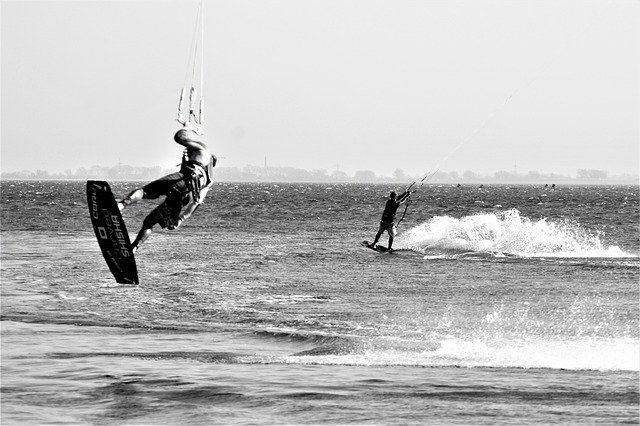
(388, 221)
(184, 190)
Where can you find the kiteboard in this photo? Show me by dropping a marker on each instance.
(111, 232)
(377, 247)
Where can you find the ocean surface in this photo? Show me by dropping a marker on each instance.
(501, 304)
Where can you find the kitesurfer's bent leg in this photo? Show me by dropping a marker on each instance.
(147, 229)
(133, 197)
(165, 215)
(152, 190)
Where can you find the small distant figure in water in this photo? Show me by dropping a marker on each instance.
(186, 188)
(459, 185)
(481, 186)
(546, 185)
(388, 221)
(553, 186)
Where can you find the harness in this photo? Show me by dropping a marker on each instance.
(196, 175)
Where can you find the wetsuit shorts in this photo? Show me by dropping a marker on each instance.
(389, 227)
(178, 195)
(170, 183)
(166, 213)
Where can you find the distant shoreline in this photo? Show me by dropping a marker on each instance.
(282, 174)
(474, 184)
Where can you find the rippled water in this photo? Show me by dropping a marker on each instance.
(501, 304)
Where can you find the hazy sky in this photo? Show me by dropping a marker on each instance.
(539, 85)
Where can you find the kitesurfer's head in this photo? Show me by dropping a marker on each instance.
(392, 195)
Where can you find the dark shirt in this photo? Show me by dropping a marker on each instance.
(389, 214)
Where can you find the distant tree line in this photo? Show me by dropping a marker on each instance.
(291, 174)
(117, 172)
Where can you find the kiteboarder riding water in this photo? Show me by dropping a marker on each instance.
(388, 221)
(186, 188)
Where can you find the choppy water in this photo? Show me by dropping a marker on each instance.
(502, 305)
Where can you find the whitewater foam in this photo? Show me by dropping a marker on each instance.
(508, 232)
(619, 354)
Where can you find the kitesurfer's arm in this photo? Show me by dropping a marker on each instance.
(182, 138)
(402, 198)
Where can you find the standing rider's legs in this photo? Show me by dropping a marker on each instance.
(391, 230)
